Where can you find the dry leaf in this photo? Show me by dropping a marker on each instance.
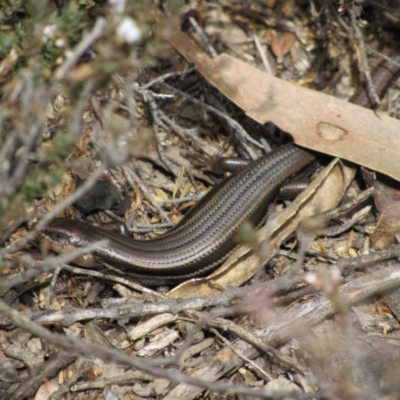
(178, 182)
(160, 196)
(315, 120)
(242, 265)
(271, 3)
(387, 228)
(386, 194)
(186, 190)
(282, 44)
(8, 63)
(46, 389)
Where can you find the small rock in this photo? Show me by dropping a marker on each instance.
(103, 196)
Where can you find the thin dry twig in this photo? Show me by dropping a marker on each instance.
(236, 128)
(348, 265)
(363, 61)
(56, 210)
(250, 362)
(204, 37)
(75, 345)
(81, 47)
(51, 263)
(132, 178)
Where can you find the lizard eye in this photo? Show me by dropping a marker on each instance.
(58, 236)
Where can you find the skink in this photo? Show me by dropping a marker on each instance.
(206, 235)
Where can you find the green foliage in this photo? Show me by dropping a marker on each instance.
(11, 37)
(37, 183)
(68, 28)
(8, 10)
(44, 33)
(7, 42)
(70, 22)
(49, 53)
(62, 146)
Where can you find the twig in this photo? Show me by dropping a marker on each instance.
(348, 265)
(162, 78)
(82, 46)
(203, 36)
(49, 294)
(363, 61)
(133, 177)
(113, 278)
(259, 344)
(57, 209)
(156, 123)
(51, 263)
(384, 7)
(237, 129)
(262, 53)
(50, 368)
(74, 345)
(384, 56)
(250, 362)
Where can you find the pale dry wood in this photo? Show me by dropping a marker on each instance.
(297, 321)
(316, 120)
(150, 325)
